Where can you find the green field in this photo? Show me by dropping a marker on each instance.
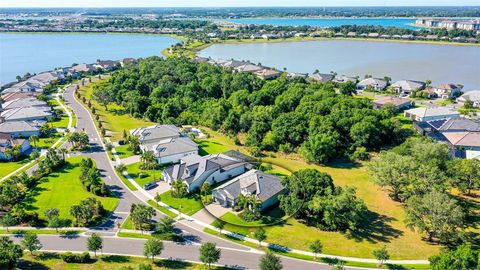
(61, 190)
(105, 262)
(115, 119)
(273, 216)
(188, 206)
(210, 146)
(7, 167)
(147, 175)
(127, 224)
(383, 226)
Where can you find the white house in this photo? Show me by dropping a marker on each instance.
(433, 113)
(473, 96)
(7, 142)
(374, 84)
(407, 86)
(446, 90)
(20, 129)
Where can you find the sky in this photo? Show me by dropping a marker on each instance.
(230, 3)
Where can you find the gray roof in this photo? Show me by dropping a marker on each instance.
(373, 82)
(248, 68)
(25, 113)
(156, 133)
(470, 95)
(432, 111)
(233, 63)
(17, 126)
(459, 124)
(23, 102)
(192, 167)
(172, 146)
(262, 185)
(344, 79)
(408, 85)
(321, 77)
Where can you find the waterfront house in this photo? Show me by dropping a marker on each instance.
(166, 142)
(106, 65)
(321, 77)
(265, 187)
(446, 90)
(7, 142)
(373, 35)
(249, 68)
(473, 96)
(233, 64)
(406, 87)
(293, 75)
(344, 79)
(463, 144)
(433, 113)
(194, 170)
(399, 103)
(446, 125)
(82, 68)
(267, 74)
(20, 129)
(373, 84)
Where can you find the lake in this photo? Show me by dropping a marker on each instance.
(385, 22)
(36, 52)
(435, 62)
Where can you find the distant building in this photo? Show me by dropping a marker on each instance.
(374, 84)
(473, 96)
(265, 187)
(267, 74)
(434, 113)
(447, 90)
(399, 103)
(7, 142)
(20, 129)
(321, 77)
(25, 114)
(406, 87)
(344, 79)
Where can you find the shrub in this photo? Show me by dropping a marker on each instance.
(142, 175)
(70, 257)
(237, 141)
(360, 153)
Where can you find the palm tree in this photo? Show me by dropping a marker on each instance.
(16, 150)
(8, 153)
(63, 151)
(34, 139)
(205, 189)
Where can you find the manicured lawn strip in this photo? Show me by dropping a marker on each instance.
(127, 224)
(103, 262)
(126, 182)
(271, 217)
(123, 151)
(61, 190)
(162, 209)
(61, 123)
(310, 258)
(166, 237)
(115, 119)
(188, 206)
(6, 167)
(134, 171)
(386, 218)
(46, 143)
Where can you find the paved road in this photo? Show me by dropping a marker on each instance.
(232, 254)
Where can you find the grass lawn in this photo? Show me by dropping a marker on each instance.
(60, 123)
(123, 151)
(162, 209)
(46, 143)
(6, 167)
(210, 146)
(273, 216)
(385, 224)
(61, 190)
(140, 176)
(126, 181)
(188, 206)
(105, 262)
(128, 224)
(115, 119)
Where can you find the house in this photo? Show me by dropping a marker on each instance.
(399, 103)
(166, 142)
(7, 142)
(473, 96)
(446, 90)
(18, 95)
(463, 144)
(267, 74)
(106, 64)
(24, 102)
(194, 170)
(233, 64)
(446, 125)
(265, 187)
(344, 79)
(250, 68)
(20, 129)
(405, 87)
(82, 68)
(433, 113)
(292, 75)
(374, 84)
(26, 114)
(321, 77)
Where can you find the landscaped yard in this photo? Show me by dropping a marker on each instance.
(61, 190)
(385, 225)
(188, 206)
(210, 146)
(143, 177)
(123, 151)
(106, 262)
(46, 143)
(270, 217)
(115, 119)
(6, 167)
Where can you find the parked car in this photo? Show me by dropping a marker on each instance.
(150, 185)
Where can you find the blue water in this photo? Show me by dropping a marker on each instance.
(386, 22)
(22, 53)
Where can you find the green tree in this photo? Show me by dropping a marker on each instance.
(152, 248)
(141, 215)
(165, 225)
(10, 253)
(349, 88)
(219, 225)
(31, 243)
(8, 221)
(381, 255)
(179, 189)
(209, 253)
(53, 218)
(316, 247)
(464, 257)
(260, 235)
(435, 214)
(270, 261)
(94, 243)
(466, 174)
(34, 139)
(103, 94)
(157, 198)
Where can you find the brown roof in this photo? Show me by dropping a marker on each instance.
(447, 86)
(391, 100)
(463, 138)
